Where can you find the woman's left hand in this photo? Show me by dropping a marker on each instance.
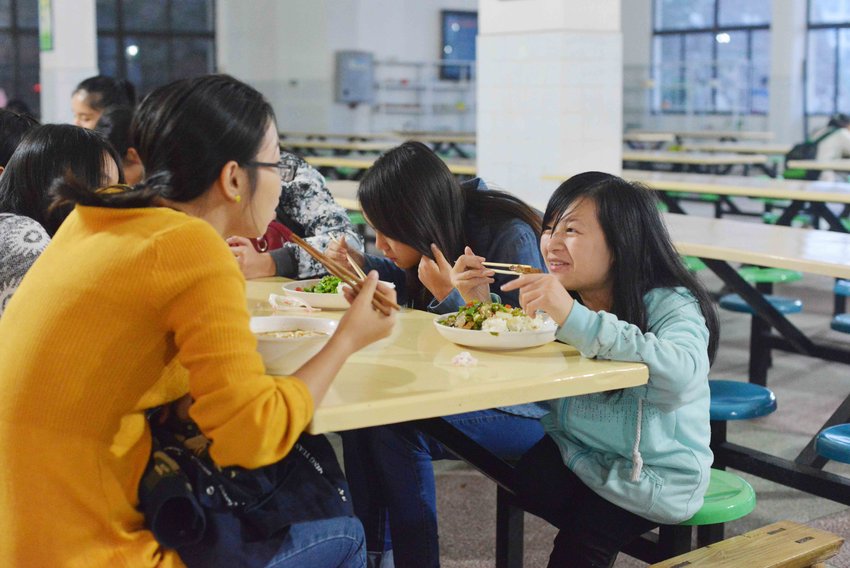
(542, 292)
(252, 263)
(436, 275)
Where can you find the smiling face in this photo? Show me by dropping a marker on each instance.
(576, 251)
(84, 115)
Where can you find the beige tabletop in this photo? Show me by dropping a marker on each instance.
(345, 146)
(466, 167)
(693, 158)
(739, 148)
(337, 135)
(745, 186)
(650, 137)
(817, 252)
(840, 165)
(409, 375)
(725, 134)
(438, 138)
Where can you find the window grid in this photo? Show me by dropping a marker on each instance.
(714, 30)
(120, 35)
(837, 87)
(18, 35)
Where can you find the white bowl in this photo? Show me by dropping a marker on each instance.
(497, 340)
(285, 356)
(324, 301)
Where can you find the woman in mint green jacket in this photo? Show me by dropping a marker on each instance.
(615, 465)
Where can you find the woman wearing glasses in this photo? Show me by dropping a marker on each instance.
(134, 283)
(308, 209)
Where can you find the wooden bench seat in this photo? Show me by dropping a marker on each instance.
(781, 545)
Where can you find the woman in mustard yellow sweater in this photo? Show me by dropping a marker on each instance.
(134, 283)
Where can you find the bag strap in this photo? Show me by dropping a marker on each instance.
(825, 135)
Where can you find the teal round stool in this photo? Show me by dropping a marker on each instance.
(834, 443)
(841, 323)
(736, 400)
(842, 288)
(736, 303)
(728, 498)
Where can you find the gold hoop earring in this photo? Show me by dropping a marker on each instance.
(237, 198)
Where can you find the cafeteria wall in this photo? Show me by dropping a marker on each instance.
(286, 49)
(72, 59)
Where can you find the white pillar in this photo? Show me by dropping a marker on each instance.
(73, 58)
(550, 84)
(787, 53)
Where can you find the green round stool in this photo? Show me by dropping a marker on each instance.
(759, 275)
(728, 498)
(693, 263)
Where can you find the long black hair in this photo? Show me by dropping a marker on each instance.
(13, 126)
(642, 254)
(410, 196)
(114, 125)
(103, 92)
(46, 156)
(185, 132)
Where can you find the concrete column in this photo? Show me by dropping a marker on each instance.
(550, 85)
(73, 58)
(787, 53)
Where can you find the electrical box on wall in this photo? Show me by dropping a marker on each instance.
(354, 81)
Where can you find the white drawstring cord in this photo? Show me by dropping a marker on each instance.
(637, 459)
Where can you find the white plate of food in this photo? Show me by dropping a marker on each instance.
(287, 342)
(495, 326)
(325, 293)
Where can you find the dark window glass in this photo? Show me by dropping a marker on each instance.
(829, 12)
(192, 57)
(145, 16)
(5, 13)
(152, 43)
(28, 79)
(28, 14)
(107, 56)
(7, 65)
(192, 15)
(148, 68)
(107, 19)
(684, 14)
(743, 12)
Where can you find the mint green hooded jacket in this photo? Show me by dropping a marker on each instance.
(645, 449)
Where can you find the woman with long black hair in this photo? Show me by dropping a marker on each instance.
(135, 281)
(422, 216)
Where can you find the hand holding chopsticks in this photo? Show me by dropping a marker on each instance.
(512, 268)
(380, 301)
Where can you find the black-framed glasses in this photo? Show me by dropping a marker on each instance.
(287, 167)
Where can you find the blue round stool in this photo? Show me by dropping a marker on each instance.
(841, 322)
(842, 288)
(736, 303)
(834, 443)
(735, 400)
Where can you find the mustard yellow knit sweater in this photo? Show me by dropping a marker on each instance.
(91, 339)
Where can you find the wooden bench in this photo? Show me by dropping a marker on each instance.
(781, 545)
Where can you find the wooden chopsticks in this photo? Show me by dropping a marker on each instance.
(379, 301)
(512, 268)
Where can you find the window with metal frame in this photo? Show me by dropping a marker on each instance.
(711, 56)
(828, 58)
(19, 53)
(153, 43)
